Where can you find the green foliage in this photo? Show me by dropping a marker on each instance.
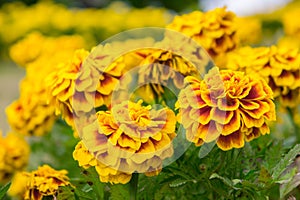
(4, 189)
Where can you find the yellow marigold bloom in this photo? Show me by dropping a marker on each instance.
(14, 155)
(215, 30)
(106, 174)
(31, 113)
(161, 67)
(34, 112)
(228, 107)
(279, 66)
(130, 138)
(43, 182)
(61, 84)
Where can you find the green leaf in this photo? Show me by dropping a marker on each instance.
(285, 162)
(205, 149)
(4, 189)
(225, 180)
(289, 186)
(119, 192)
(178, 183)
(287, 176)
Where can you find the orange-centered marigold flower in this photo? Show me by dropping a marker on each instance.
(130, 138)
(279, 66)
(43, 182)
(215, 30)
(229, 107)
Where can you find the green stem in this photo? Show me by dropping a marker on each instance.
(133, 186)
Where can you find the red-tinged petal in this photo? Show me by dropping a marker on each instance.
(249, 104)
(234, 140)
(251, 122)
(233, 125)
(254, 134)
(227, 104)
(257, 92)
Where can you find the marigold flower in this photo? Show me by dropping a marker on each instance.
(279, 66)
(166, 64)
(228, 107)
(164, 68)
(215, 30)
(34, 112)
(106, 174)
(61, 84)
(31, 114)
(130, 138)
(14, 155)
(44, 181)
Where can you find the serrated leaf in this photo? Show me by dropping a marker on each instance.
(288, 187)
(285, 162)
(4, 189)
(205, 149)
(287, 177)
(178, 183)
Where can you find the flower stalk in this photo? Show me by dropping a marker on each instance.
(133, 186)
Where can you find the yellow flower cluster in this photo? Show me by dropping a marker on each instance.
(228, 107)
(14, 155)
(215, 30)
(16, 20)
(279, 66)
(130, 138)
(33, 112)
(43, 182)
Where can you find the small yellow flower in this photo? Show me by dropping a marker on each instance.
(44, 181)
(215, 30)
(130, 138)
(227, 107)
(279, 66)
(14, 155)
